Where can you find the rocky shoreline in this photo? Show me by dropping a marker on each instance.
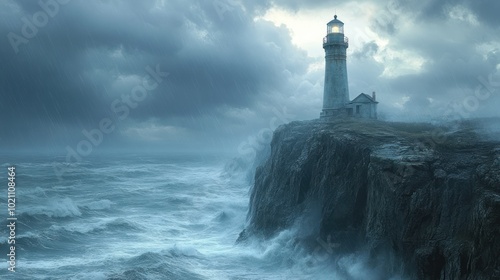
(425, 197)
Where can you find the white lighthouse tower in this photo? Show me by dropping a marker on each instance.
(336, 92)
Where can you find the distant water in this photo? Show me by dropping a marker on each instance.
(142, 217)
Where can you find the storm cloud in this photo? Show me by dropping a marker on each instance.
(230, 69)
(90, 53)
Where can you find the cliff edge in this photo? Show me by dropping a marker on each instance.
(422, 200)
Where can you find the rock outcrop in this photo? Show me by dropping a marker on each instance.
(426, 195)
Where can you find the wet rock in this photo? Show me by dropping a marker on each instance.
(428, 195)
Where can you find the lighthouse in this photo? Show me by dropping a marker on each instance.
(336, 91)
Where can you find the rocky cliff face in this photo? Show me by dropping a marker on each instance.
(425, 195)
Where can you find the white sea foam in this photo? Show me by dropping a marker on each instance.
(59, 208)
(187, 215)
(98, 205)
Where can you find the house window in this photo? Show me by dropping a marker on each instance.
(358, 109)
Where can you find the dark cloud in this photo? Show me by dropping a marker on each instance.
(90, 54)
(229, 73)
(486, 10)
(454, 42)
(297, 5)
(368, 50)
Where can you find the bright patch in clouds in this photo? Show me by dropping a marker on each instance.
(309, 27)
(307, 32)
(232, 72)
(399, 63)
(461, 13)
(400, 104)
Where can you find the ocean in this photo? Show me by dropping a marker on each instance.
(142, 217)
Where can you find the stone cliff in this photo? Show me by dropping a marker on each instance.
(426, 196)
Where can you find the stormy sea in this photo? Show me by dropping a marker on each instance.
(146, 217)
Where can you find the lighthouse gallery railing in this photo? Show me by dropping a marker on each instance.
(325, 40)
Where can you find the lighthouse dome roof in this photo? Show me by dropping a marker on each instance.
(335, 20)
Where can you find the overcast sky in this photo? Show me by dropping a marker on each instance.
(236, 69)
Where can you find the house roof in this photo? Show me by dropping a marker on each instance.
(359, 99)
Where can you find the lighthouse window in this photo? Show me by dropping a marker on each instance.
(335, 28)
